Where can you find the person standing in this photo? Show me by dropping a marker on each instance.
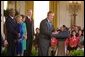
(61, 36)
(11, 32)
(36, 40)
(20, 33)
(30, 31)
(24, 35)
(46, 29)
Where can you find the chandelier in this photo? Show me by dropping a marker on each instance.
(74, 7)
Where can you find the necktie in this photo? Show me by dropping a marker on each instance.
(30, 19)
(49, 24)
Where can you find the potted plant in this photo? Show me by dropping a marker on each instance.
(34, 52)
(77, 53)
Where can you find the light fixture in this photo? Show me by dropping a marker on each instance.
(74, 7)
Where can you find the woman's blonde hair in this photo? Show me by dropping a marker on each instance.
(17, 17)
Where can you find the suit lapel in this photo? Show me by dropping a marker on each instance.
(49, 25)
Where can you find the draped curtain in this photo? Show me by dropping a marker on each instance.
(53, 7)
(29, 5)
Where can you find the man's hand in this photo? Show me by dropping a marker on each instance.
(55, 32)
(5, 43)
(25, 36)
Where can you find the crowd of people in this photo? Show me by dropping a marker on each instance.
(20, 32)
(73, 38)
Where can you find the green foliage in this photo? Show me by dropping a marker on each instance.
(34, 52)
(4, 51)
(77, 53)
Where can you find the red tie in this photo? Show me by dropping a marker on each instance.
(30, 20)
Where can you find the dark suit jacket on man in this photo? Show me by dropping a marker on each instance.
(30, 32)
(11, 34)
(62, 35)
(44, 38)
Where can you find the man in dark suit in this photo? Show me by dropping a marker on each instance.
(62, 35)
(46, 29)
(30, 32)
(11, 32)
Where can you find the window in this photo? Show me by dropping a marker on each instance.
(40, 12)
(5, 5)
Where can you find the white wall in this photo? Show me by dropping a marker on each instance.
(40, 12)
(2, 19)
(80, 16)
(11, 5)
(2, 7)
(63, 15)
(22, 7)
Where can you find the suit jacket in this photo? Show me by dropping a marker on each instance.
(11, 28)
(62, 35)
(44, 29)
(44, 37)
(30, 27)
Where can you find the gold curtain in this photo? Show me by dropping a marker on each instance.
(53, 7)
(29, 5)
(11, 5)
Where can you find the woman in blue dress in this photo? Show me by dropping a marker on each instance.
(20, 35)
(24, 35)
